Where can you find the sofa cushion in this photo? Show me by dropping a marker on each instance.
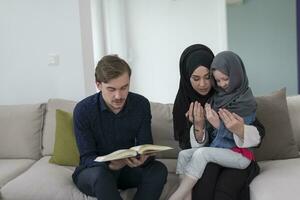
(65, 147)
(279, 143)
(50, 122)
(162, 129)
(171, 164)
(294, 112)
(11, 168)
(21, 131)
(278, 180)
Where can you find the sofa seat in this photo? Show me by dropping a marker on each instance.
(11, 168)
(170, 164)
(43, 180)
(53, 182)
(278, 180)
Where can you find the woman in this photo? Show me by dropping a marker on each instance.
(217, 182)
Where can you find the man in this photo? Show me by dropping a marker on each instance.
(110, 120)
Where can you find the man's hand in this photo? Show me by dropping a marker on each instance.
(212, 116)
(135, 162)
(117, 164)
(232, 122)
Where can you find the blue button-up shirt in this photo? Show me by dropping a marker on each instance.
(99, 131)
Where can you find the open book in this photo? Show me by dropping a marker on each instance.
(132, 152)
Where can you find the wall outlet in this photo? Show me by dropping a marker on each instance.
(53, 59)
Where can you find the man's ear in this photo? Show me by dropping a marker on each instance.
(98, 85)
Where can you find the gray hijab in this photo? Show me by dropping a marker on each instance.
(238, 98)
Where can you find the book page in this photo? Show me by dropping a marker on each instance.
(116, 155)
(150, 148)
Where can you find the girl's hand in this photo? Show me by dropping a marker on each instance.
(232, 122)
(212, 116)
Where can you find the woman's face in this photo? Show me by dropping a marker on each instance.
(200, 80)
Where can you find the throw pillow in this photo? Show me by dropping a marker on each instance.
(278, 143)
(50, 121)
(65, 147)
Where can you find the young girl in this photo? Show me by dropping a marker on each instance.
(232, 94)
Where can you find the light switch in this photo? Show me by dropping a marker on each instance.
(53, 59)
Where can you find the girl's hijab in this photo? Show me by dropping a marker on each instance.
(191, 58)
(238, 97)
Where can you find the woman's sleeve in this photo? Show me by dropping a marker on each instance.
(253, 135)
(194, 142)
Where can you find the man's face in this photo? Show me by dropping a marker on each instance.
(115, 92)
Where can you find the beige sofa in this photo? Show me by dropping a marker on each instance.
(27, 135)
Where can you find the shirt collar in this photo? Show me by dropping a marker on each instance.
(103, 106)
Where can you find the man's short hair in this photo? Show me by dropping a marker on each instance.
(111, 67)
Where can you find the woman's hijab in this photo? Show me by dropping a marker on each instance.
(238, 97)
(191, 58)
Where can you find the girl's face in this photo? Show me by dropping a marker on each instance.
(222, 79)
(200, 80)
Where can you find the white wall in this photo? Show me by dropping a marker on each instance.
(149, 34)
(159, 30)
(30, 30)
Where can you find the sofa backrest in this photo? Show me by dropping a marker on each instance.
(21, 131)
(21, 126)
(162, 128)
(294, 113)
(162, 124)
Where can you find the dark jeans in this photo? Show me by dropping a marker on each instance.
(103, 183)
(219, 183)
